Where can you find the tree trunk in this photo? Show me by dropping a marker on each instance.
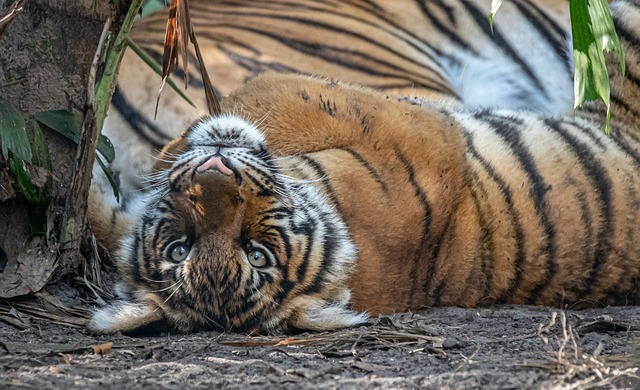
(46, 56)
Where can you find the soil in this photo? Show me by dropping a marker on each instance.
(518, 347)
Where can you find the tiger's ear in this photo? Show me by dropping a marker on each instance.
(131, 318)
(320, 315)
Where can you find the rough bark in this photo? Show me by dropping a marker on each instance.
(46, 55)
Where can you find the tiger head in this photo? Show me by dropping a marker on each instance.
(225, 241)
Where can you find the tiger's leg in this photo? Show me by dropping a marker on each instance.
(301, 114)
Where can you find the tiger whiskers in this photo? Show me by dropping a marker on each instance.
(166, 153)
(159, 187)
(260, 121)
(167, 288)
(212, 321)
(158, 158)
(295, 180)
(171, 295)
(152, 176)
(269, 299)
(153, 281)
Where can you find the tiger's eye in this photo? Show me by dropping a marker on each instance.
(257, 258)
(179, 252)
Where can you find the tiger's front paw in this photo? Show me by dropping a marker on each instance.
(131, 318)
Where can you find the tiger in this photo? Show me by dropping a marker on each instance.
(315, 204)
(439, 50)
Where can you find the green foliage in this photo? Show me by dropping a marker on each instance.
(40, 149)
(109, 173)
(23, 179)
(69, 125)
(593, 33)
(14, 138)
(13, 134)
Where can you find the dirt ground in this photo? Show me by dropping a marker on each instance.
(519, 347)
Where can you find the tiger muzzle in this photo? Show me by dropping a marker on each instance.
(216, 192)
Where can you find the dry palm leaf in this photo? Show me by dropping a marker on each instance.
(176, 44)
(13, 11)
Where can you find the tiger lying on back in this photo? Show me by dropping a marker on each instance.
(312, 204)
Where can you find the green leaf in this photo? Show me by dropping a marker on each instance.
(593, 33)
(40, 148)
(69, 124)
(105, 147)
(153, 64)
(63, 122)
(107, 171)
(23, 180)
(13, 134)
(495, 6)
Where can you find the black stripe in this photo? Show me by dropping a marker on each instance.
(157, 232)
(326, 27)
(139, 122)
(304, 265)
(616, 293)
(388, 26)
(518, 261)
(542, 22)
(620, 142)
(487, 247)
(134, 261)
(482, 22)
(253, 65)
(278, 213)
(421, 197)
(285, 288)
(264, 191)
(284, 236)
(587, 220)
(322, 175)
(602, 188)
(345, 57)
(451, 34)
(374, 174)
(306, 229)
(437, 292)
(589, 132)
(510, 134)
(328, 251)
(626, 35)
(617, 101)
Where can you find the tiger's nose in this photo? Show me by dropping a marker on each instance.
(220, 164)
(216, 162)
